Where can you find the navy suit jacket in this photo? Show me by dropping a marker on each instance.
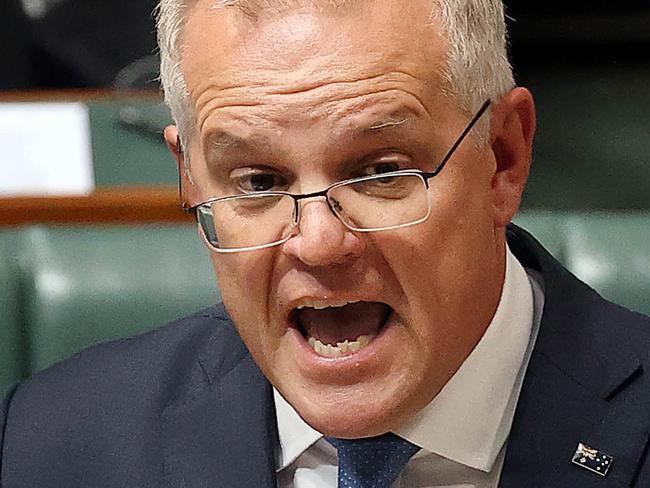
(186, 406)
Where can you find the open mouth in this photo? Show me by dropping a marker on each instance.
(340, 329)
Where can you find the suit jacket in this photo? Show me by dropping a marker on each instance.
(186, 406)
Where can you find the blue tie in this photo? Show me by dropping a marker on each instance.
(373, 462)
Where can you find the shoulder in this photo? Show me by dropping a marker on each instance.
(118, 389)
(136, 364)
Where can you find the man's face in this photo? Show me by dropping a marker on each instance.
(302, 99)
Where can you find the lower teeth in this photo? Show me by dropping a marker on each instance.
(341, 348)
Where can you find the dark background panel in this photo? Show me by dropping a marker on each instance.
(85, 43)
(588, 67)
(73, 43)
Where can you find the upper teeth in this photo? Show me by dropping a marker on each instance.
(317, 304)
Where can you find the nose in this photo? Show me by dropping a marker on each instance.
(322, 239)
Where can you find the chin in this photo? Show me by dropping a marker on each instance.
(352, 418)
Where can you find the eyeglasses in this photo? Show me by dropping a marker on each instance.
(374, 203)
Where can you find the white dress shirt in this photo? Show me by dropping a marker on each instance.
(462, 433)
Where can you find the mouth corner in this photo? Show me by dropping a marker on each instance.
(293, 319)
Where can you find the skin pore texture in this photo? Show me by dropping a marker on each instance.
(315, 97)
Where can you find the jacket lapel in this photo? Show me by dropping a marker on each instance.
(221, 432)
(574, 389)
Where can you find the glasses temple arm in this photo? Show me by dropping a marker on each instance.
(461, 138)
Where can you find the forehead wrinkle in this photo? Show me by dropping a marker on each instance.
(213, 94)
(269, 112)
(402, 123)
(386, 123)
(394, 108)
(207, 103)
(363, 118)
(340, 82)
(390, 121)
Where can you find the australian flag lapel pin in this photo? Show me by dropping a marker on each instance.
(592, 459)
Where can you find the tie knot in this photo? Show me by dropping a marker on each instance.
(373, 462)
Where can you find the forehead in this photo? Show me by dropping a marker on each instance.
(298, 49)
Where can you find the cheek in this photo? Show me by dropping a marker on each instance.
(442, 265)
(244, 283)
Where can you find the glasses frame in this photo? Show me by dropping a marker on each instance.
(425, 176)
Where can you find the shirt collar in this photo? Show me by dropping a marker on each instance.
(470, 419)
(295, 435)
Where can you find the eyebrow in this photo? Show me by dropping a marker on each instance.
(222, 141)
(225, 139)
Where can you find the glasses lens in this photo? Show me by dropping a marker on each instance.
(381, 202)
(247, 221)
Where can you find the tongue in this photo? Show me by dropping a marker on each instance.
(338, 324)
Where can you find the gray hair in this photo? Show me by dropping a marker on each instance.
(477, 60)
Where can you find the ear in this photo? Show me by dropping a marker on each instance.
(512, 132)
(188, 190)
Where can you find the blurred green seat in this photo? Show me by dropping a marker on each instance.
(83, 285)
(11, 369)
(547, 227)
(611, 252)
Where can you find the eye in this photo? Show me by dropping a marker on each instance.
(249, 180)
(386, 164)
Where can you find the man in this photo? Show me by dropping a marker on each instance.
(353, 166)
